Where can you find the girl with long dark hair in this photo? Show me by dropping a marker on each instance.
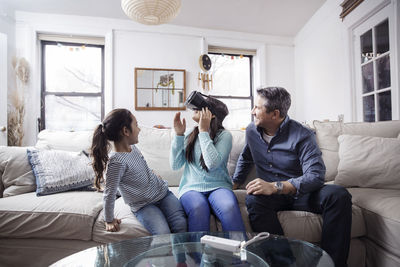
(147, 195)
(205, 186)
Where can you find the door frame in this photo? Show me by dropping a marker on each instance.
(3, 89)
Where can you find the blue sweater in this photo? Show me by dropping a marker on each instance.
(215, 155)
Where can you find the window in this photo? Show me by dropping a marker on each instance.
(376, 97)
(72, 93)
(232, 84)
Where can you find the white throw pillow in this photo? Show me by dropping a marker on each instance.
(59, 171)
(367, 161)
(238, 142)
(63, 140)
(327, 134)
(154, 144)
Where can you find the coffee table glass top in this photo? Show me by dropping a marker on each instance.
(170, 250)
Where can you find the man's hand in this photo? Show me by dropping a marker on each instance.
(113, 226)
(205, 119)
(179, 126)
(260, 187)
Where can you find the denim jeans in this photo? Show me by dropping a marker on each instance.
(332, 201)
(163, 217)
(223, 204)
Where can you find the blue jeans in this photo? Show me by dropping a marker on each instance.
(164, 216)
(223, 203)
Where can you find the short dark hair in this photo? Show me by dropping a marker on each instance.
(276, 98)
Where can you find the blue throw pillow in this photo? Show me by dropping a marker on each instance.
(59, 171)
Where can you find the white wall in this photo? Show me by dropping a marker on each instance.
(323, 69)
(135, 49)
(277, 70)
(130, 45)
(7, 26)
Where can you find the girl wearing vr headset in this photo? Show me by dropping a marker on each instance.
(205, 186)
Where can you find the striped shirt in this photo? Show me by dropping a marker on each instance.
(137, 183)
(215, 155)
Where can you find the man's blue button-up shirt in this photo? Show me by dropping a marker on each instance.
(292, 155)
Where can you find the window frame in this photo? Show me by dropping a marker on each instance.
(250, 97)
(369, 24)
(44, 93)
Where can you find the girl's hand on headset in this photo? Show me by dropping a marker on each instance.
(205, 119)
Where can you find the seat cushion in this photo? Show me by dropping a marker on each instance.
(307, 226)
(381, 212)
(68, 215)
(130, 227)
(301, 224)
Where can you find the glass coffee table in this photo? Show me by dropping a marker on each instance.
(174, 249)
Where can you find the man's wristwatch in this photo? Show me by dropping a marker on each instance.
(279, 187)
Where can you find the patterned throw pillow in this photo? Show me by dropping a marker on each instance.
(59, 171)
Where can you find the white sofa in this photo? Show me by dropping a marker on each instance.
(36, 231)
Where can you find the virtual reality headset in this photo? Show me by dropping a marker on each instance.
(196, 101)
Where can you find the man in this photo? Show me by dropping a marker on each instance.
(291, 175)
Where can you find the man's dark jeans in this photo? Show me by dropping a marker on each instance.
(332, 201)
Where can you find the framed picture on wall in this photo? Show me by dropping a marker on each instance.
(160, 89)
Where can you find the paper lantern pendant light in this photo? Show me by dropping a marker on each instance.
(151, 12)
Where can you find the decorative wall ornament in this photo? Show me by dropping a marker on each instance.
(151, 12)
(16, 104)
(204, 77)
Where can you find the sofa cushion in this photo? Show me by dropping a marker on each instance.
(68, 215)
(59, 171)
(130, 227)
(328, 132)
(381, 212)
(63, 140)
(155, 147)
(326, 135)
(16, 173)
(238, 141)
(368, 162)
(307, 226)
(301, 224)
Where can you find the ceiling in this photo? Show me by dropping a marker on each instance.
(270, 17)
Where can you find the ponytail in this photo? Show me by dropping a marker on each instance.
(100, 148)
(109, 129)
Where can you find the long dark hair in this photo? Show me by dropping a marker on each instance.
(221, 111)
(109, 130)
